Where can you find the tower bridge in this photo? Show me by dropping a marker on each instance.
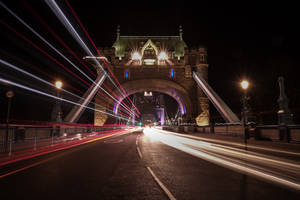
(161, 64)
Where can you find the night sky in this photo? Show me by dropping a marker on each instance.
(255, 41)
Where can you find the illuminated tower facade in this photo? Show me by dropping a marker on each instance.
(158, 63)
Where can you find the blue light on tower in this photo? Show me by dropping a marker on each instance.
(172, 73)
(126, 74)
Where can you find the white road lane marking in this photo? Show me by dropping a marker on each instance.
(163, 187)
(137, 147)
(139, 152)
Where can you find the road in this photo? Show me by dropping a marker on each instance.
(150, 165)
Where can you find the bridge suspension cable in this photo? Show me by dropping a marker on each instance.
(219, 104)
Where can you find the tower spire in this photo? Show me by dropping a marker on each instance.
(180, 32)
(118, 32)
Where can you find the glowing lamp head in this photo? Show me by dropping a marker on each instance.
(58, 84)
(162, 56)
(136, 56)
(245, 84)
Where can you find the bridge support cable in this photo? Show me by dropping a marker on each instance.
(219, 104)
(77, 110)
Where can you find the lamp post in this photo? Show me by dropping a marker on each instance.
(9, 95)
(245, 85)
(58, 85)
(56, 112)
(56, 115)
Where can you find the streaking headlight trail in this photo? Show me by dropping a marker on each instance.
(268, 168)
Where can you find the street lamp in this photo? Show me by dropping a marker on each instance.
(58, 84)
(245, 85)
(56, 112)
(9, 95)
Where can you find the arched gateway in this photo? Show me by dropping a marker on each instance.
(158, 85)
(162, 64)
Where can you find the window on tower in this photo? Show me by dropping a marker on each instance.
(172, 73)
(126, 74)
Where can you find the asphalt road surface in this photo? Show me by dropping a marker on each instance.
(149, 166)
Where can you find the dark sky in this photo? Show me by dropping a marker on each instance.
(253, 40)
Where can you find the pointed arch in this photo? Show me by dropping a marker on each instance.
(150, 43)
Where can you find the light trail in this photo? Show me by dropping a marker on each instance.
(52, 58)
(4, 81)
(87, 34)
(63, 19)
(57, 37)
(41, 50)
(45, 41)
(269, 168)
(233, 143)
(58, 52)
(65, 45)
(40, 79)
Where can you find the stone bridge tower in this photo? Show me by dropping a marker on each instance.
(162, 64)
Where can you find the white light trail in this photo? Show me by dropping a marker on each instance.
(233, 143)
(44, 40)
(58, 52)
(55, 97)
(261, 166)
(40, 79)
(64, 20)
